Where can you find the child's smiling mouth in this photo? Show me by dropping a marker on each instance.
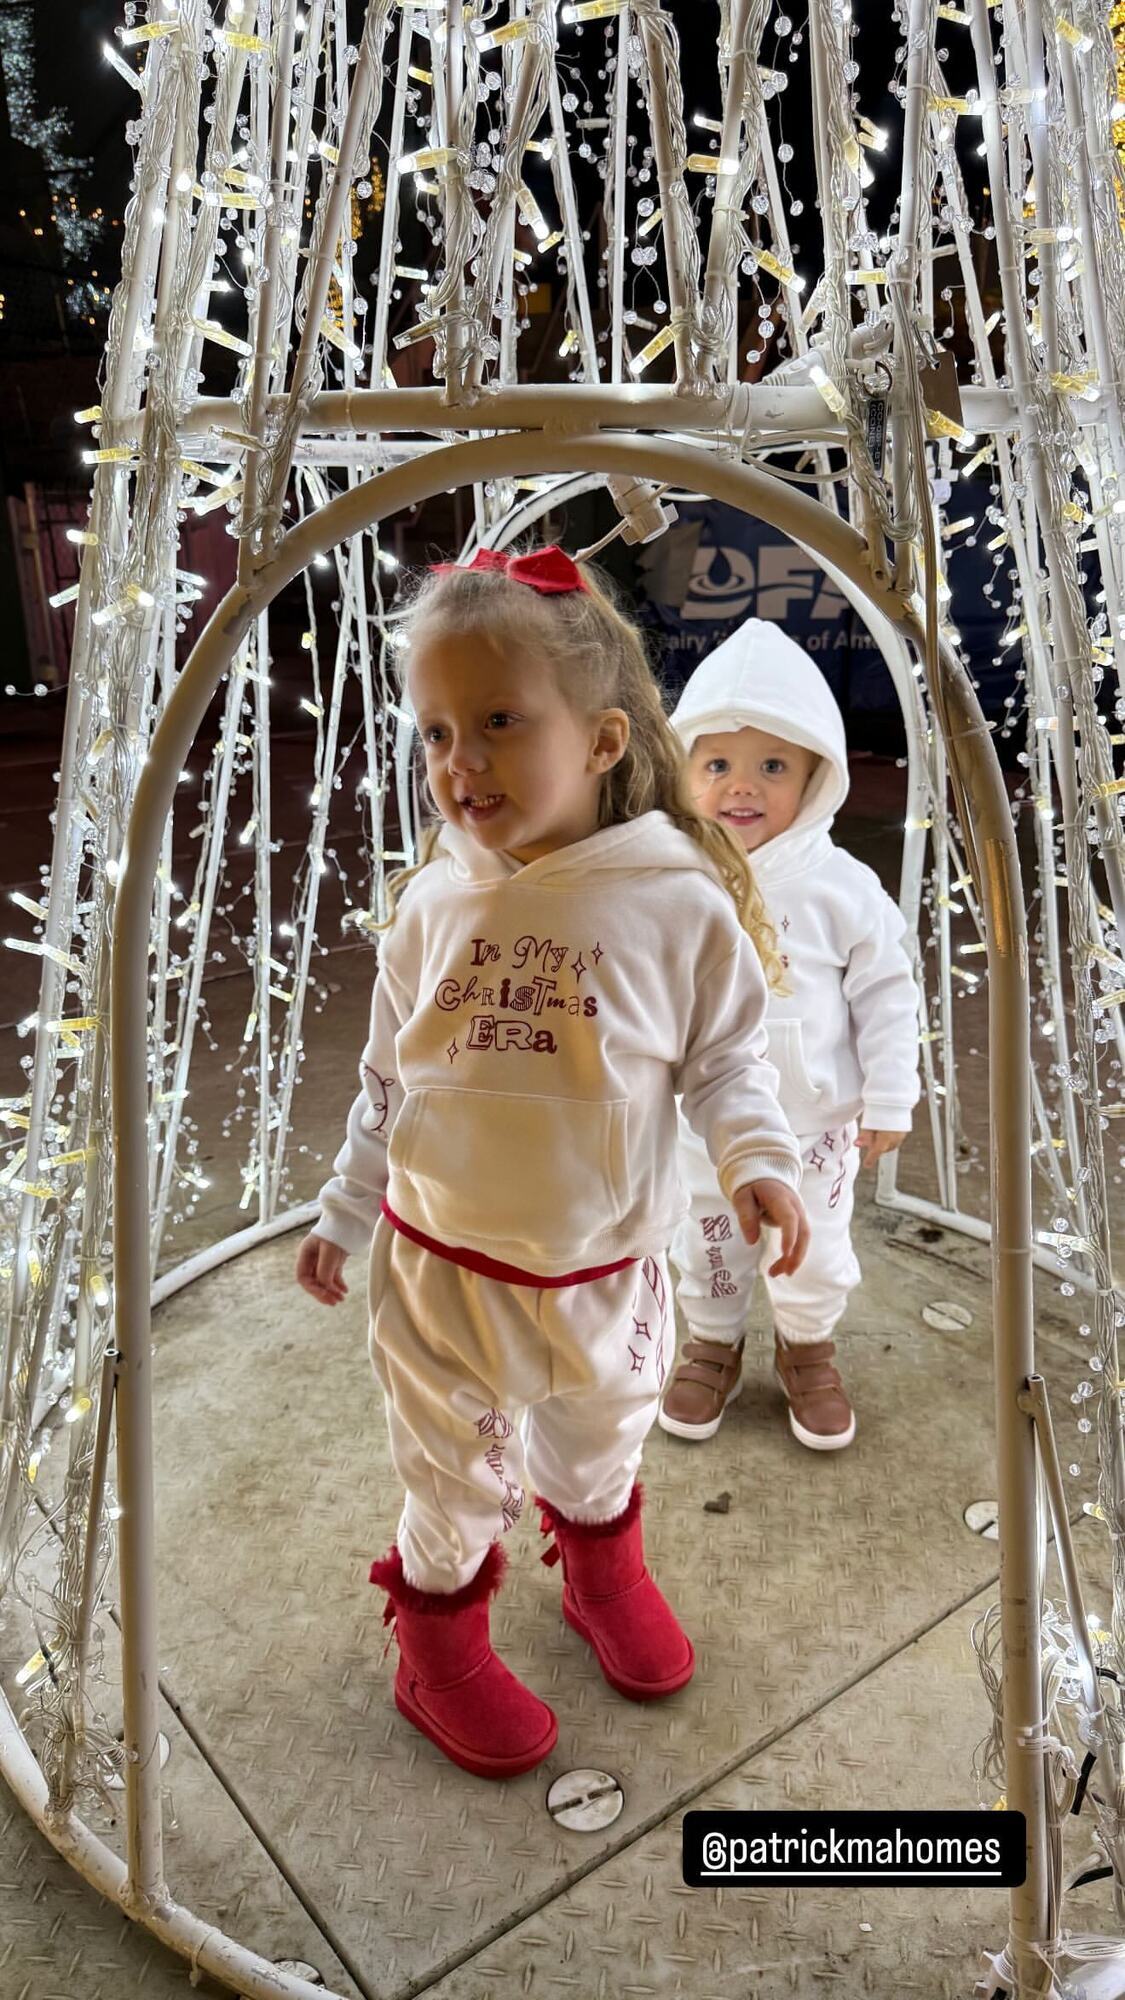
(481, 805)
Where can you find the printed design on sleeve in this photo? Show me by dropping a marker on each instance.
(495, 1425)
(378, 1089)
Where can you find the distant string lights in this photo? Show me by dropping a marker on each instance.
(49, 134)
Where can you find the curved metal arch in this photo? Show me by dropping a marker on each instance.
(891, 642)
(142, 1891)
(887, 636)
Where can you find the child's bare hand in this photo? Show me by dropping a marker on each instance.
(320, 1268)
(774, 1203)
(873, 1145)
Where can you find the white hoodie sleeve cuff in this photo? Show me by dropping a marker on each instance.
(886, 1117)
(337, 1224)
(749, 1167)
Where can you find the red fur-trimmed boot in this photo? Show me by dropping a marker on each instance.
(451, 1685)
(610, 1598)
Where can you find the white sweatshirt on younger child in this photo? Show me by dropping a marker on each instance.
(844, 1035)
(531, 1028)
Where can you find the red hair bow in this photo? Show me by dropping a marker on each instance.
(550, 571)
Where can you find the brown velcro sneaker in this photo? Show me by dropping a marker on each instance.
(820, 1414)
(707, 1377)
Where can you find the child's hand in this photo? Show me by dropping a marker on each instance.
(775, 1203)
(873, 1145)
(319, 1270)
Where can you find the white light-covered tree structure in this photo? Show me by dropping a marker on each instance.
(336, 217)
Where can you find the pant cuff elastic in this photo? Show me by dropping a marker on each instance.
(794, 1339)
(441, 1579)
(589, 1517)
(726, 1336)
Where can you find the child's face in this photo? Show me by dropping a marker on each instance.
(752, 782)
(507, 758)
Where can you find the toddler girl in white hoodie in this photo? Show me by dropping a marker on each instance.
(768, 759)
(566, 958)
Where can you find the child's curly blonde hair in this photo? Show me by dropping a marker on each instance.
(599, 661)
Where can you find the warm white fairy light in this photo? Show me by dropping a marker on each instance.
(660, 234)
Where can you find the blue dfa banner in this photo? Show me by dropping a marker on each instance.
(716, 567)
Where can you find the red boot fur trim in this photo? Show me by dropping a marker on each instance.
(388, 1575)
(450, 1684)
(552, 1518)
(611, 1600)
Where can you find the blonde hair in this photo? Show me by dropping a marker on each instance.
(599, 661)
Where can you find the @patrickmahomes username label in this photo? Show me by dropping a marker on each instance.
(870, 1849)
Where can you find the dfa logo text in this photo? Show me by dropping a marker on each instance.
(767, 581)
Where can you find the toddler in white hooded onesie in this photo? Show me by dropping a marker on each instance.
(768, 759)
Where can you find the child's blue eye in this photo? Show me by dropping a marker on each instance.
(432, 734)
(717, 765)
(774, 766)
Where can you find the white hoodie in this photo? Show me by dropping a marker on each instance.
(530, 1029)
(844, 1036)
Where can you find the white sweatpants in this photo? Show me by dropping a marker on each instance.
(718, 1267)
(490, 1383)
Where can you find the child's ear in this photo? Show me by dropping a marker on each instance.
(611, 739)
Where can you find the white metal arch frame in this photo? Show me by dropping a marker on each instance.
(925, 800)
(925, 786)
(139, 1888)
(921, 787)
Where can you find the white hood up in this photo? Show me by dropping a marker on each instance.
(843, 1034)
(759, 678)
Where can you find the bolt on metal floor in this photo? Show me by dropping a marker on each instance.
(830, 1605)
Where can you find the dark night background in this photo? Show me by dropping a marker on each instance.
(50, 357)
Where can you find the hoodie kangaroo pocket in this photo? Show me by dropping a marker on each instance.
(787, 1054)
(545, 1171)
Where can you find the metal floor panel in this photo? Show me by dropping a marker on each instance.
(903, 1737)
(830, 1606)
(60, 1940)
(275, 1490)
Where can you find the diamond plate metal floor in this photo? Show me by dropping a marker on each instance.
(830, 1607)
(901, 1736)
(59, 1940)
